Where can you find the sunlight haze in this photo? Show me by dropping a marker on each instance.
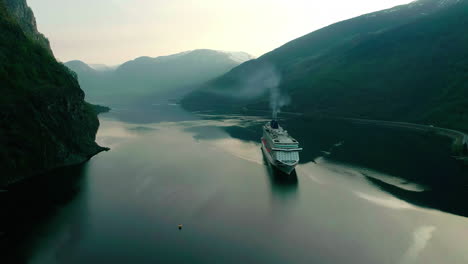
(114, 31)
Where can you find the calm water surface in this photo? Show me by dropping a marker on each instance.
(361, 194)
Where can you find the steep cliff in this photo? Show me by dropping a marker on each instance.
(24, 16)
(44, 121)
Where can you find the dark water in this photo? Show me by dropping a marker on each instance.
(362, 194)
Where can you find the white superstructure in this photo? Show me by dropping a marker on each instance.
(279, 147)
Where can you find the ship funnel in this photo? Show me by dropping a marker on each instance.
(274, 124)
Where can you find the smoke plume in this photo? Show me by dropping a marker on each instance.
(261, 81)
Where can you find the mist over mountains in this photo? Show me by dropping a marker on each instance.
(160, 78)
(406, 63)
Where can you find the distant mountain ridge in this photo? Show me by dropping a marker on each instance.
(169, 75)
(405, 63)
(79, 66)
(103, 67)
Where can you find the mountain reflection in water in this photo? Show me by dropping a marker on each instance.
(361, 194)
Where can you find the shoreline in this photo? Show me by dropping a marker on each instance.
(27, 178)
(460, 139)
(457, 135)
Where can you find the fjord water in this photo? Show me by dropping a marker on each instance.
(362, 194)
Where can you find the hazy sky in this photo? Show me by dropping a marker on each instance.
(114, 31)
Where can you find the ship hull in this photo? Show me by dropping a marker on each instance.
(285, 168)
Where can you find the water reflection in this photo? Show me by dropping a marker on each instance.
(212, 176)
(421, 237)
(282, 185)
(206, 132)
(450, 199)
(408, 158)
(66, 242)
(149, 114)
(29, 205)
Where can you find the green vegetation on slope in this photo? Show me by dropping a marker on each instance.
(26, 20)
(44, 121)
(408, 63)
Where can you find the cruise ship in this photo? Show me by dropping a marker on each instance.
(281, 150)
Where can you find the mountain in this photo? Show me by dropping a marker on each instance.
(26, 20)
(407, 63)
(102, 67)
(44, 121)
(80, 66)
(160, 77)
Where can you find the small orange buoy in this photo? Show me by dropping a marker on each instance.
(180, 226)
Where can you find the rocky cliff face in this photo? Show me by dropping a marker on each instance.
(44, 121)
(23, 14)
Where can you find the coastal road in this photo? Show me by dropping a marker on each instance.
(458, 136)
